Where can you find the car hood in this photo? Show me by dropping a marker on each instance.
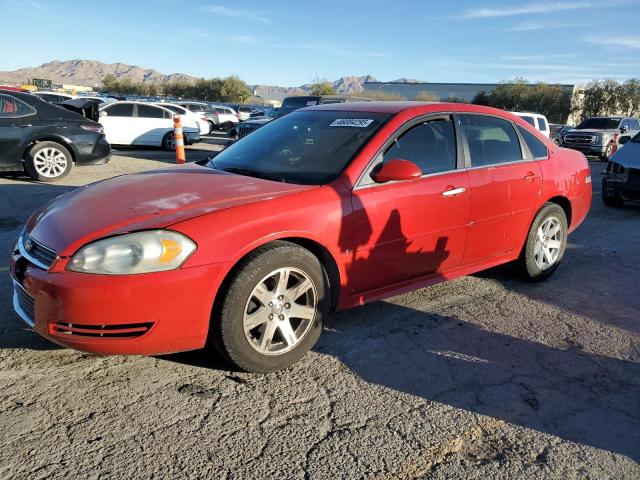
(154, 199)
(628, 156)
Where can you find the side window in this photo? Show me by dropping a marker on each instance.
(542, 124)
(537, 147)
(635, 124)
(120, 110)
(491, 140)
(430, 145)
(529, 120)
(625, 123)
(11, 107)
(149, 111)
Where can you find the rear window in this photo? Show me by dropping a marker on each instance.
(542, 124)
(120, 110)
(491, 140)
(147, 111)
(537, 147)
(529, 120)
(11, 107)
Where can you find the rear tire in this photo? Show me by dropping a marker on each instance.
(48, 162)
(255, 326)
(545, 244)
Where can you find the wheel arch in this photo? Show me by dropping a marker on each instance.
(323, 255)
(564, 203)
(51, 138)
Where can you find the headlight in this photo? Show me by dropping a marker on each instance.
(141, 252)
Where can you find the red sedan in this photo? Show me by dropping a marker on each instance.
(325, 208)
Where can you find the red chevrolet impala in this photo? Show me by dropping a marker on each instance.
(325, 208)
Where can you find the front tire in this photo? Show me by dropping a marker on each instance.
(545, 245)
(169, 141)
(272, 311)
(48, 162)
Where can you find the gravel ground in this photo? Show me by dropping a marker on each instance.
(481, 377)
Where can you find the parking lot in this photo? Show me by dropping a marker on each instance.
(482, 377)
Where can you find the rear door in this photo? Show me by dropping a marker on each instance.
(16, 121)
(118, 123)
(504, 183)
(151, 123)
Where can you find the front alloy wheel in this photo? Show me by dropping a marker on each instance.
(280, 311)
(270, 314)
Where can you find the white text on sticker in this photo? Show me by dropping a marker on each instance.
(351, 122)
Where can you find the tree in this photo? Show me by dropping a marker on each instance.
(553, 101)
(234, 90)
(321, 87)
(427, 96)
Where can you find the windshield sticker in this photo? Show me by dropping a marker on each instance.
(351, 122)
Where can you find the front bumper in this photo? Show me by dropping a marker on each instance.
(628, 190)
(147, 314)
(587, 149)
(191, 137)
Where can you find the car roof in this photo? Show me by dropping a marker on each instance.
(394, 107)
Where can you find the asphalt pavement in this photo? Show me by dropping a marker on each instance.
(482, 377)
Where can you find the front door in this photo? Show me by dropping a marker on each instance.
(406, 230)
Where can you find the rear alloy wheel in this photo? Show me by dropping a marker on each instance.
(272, 310)
(545, 244)
(48, 162)
(169, 141)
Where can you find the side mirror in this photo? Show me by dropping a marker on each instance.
(624, 129)
(624, 139)
(103, 113)
(397, 170)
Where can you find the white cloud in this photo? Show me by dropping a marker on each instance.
(235, 13)
(531, 26)
(613, 41)
(531, 8)
(243, 38)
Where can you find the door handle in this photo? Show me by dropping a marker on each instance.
(450, 192)
(530, 177)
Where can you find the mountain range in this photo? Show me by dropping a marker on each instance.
(90, 73)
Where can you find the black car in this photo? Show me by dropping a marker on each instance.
(45, 140)
(621, 178)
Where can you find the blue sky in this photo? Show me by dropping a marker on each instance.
(289, 43)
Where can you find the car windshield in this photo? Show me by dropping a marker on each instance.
(599, 124)
(308, 147)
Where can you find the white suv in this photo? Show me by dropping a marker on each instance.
(537, 121)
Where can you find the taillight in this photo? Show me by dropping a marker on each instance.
(92, 127)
